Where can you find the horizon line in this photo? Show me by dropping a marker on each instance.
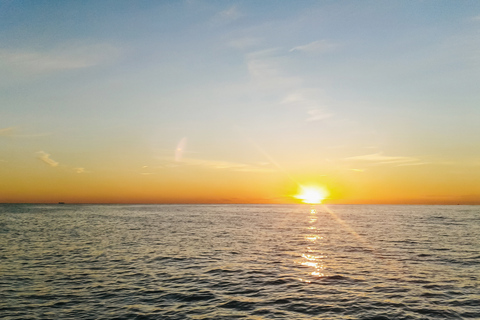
(232, 203)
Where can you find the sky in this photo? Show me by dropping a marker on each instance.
(202, 101)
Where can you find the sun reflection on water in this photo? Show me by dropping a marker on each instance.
(313, 237)
(312, 258)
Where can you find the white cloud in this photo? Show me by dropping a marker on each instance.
(319, 46)
(45, 157)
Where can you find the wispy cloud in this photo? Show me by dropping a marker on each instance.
(308, 99)
(79, 170)
(5, 132)
(225, 165)
(218, 165)
(227, 15)
(266, 72)
(45, 157)
(33, 135)
(319, 46)
(71, 56)
(379, 158)
(244, 43)
(147, 170)
(316, 115)
(180, 149)
(15, 132)
(413, 163)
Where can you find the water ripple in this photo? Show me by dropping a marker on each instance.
(239, 261)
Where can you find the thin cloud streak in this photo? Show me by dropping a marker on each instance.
(225, 165)
(319, 46)
(379, 158)
(308, 99)
(316, 115)
(217, 165)
(45, 157)
(6, 132)
(267, 72)
(74, 56)
(180, 149)
(13, 133)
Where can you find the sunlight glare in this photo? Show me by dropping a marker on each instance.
(311, 195)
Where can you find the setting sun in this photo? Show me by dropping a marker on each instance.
(311, 195)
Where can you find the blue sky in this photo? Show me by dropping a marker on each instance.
(310, 89)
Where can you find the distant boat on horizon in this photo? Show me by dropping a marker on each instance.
(60, 202)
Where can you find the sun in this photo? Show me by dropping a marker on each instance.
(311, 195)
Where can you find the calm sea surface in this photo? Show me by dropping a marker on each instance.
(239, 261)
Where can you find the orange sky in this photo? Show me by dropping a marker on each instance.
(193, 184)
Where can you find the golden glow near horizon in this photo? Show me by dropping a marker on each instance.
(311, 195)
(220, 109)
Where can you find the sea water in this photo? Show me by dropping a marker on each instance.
(239, 262)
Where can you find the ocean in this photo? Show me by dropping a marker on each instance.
(239, 262)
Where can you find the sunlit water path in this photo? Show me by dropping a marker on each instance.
(239, 261)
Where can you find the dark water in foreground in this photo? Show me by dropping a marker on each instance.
(239, 261)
